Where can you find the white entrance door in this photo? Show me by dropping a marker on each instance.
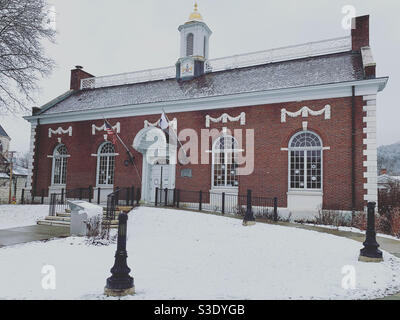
(159, 177)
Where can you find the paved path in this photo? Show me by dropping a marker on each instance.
(390, 245)
(31, 233)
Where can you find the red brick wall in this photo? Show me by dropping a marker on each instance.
(270, 177)
(360, 35)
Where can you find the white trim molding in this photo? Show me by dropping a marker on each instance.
(31, 155)
(225, 117)
(305, 112)
(117, 128)
(60, 130)
(173, 122)
(370, 149)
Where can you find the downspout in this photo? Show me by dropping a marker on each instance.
(36, 157)
(353, 153)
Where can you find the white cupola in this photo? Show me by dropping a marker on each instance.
(195, 35)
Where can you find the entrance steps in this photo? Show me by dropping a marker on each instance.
(64, 218)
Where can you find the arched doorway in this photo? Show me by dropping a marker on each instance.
(159, 161)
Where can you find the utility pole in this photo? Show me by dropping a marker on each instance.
(11, 153)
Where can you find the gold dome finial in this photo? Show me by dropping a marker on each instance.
(195, 15)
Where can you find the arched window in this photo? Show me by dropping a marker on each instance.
(224, 168)
(105, 164)
(189, 44)
(305, 161)
(59, 172)
(204, 47)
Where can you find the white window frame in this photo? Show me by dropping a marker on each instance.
(62, 157)
(305, 149)
(108, 155)
(213, 153)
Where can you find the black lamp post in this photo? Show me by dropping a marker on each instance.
(249, 219)
(120, 283)
(370, 252)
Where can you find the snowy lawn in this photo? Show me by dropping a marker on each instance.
(185, 255)
(12, 216)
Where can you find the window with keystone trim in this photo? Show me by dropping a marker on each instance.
(224, 163)
(106, 164)
(305, 161)
(59, 172)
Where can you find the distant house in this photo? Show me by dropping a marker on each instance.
(19, 174)
(4, 147)
(386, 181)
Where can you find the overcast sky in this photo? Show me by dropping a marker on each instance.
(108, 37)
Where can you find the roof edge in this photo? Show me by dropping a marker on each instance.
(56, 100)
(367, 86)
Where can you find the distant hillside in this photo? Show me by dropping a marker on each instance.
(389, 158)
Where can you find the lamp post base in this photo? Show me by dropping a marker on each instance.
(375, 256)
(368, 259)
(119, 292)
(248, 223)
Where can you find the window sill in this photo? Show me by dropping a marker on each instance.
(227, 190)
(305, 192)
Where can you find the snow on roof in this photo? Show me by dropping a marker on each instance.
(20, 171)
(332, 68)
(385, 178)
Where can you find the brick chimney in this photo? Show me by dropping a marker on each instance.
(360, 35)
(77, 75)
(383, 171)
(360, 43)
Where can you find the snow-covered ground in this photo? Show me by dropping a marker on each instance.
(186, 255)
(12, 216)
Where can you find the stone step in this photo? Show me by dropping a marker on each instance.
(57, 218)
(53, 223)
(60, 214)
(112, 222)
(125, 208)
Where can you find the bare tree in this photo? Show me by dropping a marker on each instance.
(22, 159)
(24, 24)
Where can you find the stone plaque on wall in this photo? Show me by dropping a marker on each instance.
(186, 173)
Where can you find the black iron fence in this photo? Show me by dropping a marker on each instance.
(58, 201)
(128, 197)
(27, 197)
(224, 203)
(121, 197)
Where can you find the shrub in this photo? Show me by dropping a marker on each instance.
(333, 218)
(98, 234)
(359, 220)
(388, 220)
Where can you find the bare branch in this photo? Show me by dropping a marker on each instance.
(23, 27)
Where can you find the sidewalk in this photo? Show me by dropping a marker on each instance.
(390, 245)
(18, 235)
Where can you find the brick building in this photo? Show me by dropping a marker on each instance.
(307, 113)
